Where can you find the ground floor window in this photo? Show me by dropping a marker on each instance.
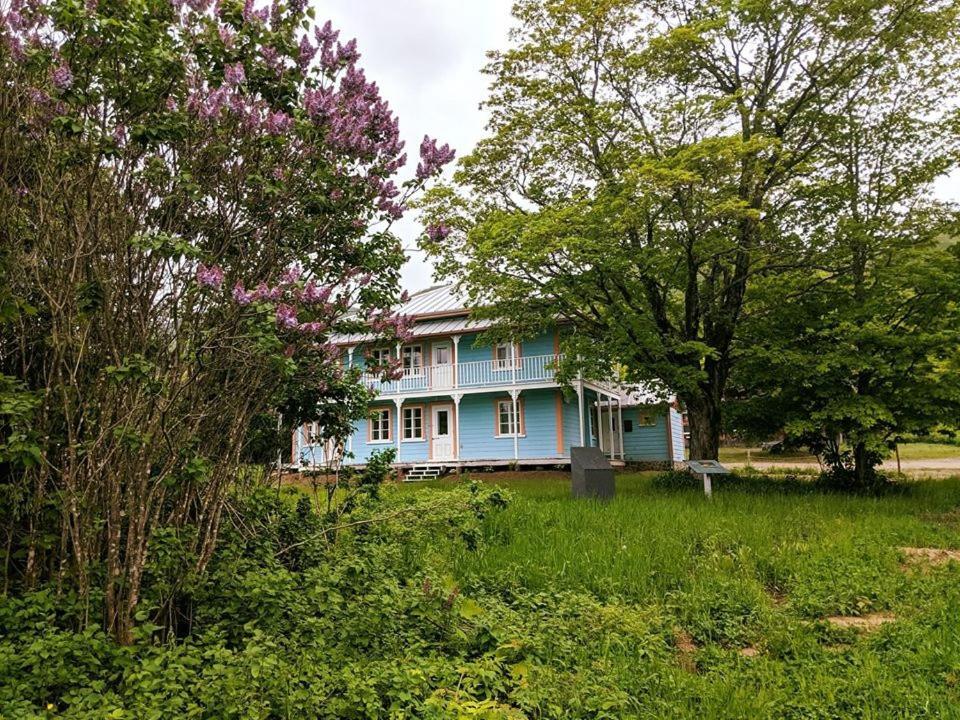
(646, 418)
(413, 423)
(380, 425)
(508, 424)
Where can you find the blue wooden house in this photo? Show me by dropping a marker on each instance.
(461, 403)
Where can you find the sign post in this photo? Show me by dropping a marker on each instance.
(706, 468)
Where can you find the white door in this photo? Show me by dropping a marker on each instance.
(442, 361)
(441, 432)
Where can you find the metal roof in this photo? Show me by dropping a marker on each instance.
(438, 310)
(424, 328)
(437, 300)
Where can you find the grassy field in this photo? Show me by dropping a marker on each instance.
(746, 606)
(908, 451)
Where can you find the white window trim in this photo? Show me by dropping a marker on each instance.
(375, 350)
(423, 427)
(389, 439)
(413, 370)
(503, 366)
(521, 424)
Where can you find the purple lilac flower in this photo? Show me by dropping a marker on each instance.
(286, 316)
(227, 36)
(61, 77)
(209, 276)
(437, 232)
(307, 53)
(326, 35)
(291, 274)
(235, 75)
(38, 96)
(313, 294)
(278, 122)
(241, 296)
(432, 158)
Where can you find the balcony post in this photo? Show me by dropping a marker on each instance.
(456, 362)
(513, 361)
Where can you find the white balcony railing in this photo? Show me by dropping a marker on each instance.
(478, 373)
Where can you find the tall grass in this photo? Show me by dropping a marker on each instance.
(760, 566)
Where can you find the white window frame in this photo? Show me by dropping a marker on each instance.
(408, 351)
(518, 429)
(376, 427)
(380, 355)
(404, 425)
(503, 364)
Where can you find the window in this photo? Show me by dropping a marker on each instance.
(380, 356)
(646, 419)
(413, 360)
(628, 426)
(501, 356)
(413, 423)
(507, 424)
(380, 425)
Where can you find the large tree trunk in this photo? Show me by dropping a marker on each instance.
(703, 415)
(861, 464)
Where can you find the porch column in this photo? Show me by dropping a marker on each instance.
(456, 362)
(399, 403)
(620, 425)
(610, 423)
(599, 422)
(457, 397)
(583, 435)
(514, 394)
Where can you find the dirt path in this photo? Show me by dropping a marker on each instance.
(936, 465)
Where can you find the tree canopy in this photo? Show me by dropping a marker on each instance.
(647, 164)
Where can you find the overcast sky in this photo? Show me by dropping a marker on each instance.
(426, 55)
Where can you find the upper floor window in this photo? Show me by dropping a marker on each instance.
(412, 360)
(501, 355)
(646, 418)
(380, 356)
(380, 425)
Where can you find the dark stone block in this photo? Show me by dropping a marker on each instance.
(591, 473)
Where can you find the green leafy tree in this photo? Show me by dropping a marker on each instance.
(645, 163)
(850, 358)
(193, 197)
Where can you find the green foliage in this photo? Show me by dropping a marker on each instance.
(698, 165)
(557, 609)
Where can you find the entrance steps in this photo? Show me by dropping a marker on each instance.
(419, 473)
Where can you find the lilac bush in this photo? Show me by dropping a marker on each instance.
(194, 196)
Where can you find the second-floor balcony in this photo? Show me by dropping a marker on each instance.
(469, 375)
